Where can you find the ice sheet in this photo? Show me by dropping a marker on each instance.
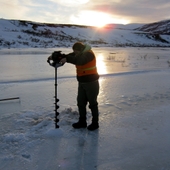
(134, 114)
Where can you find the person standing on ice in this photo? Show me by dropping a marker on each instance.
(88, 86)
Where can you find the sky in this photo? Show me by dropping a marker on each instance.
(86, 12)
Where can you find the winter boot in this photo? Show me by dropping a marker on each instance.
(79, 125)
(93, 126)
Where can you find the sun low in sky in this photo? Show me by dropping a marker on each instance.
(98, 19)
(85, 16)
(86, 12)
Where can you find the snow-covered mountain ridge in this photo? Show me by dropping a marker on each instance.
(27, 34)
(162, 27)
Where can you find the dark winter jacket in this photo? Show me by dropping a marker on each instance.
(85, 59)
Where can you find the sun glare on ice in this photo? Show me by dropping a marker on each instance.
(101, 66)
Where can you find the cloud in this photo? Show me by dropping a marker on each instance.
(71, 11)
(21, 9)
(70, 3)
(53, 11)
(133, 10)
(12, 9)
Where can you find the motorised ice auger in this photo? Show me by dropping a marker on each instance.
(54, 61)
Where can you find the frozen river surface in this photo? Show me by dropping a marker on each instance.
(134, 104)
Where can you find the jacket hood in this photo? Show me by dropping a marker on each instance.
(87, 48)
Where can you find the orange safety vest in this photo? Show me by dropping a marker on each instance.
(87, 69)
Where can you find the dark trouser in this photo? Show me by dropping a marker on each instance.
(88, 92)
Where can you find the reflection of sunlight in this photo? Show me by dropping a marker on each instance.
(102, 98)
(101, 65)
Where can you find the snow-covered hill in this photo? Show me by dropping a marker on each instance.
(19, 34)
(162, 27)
